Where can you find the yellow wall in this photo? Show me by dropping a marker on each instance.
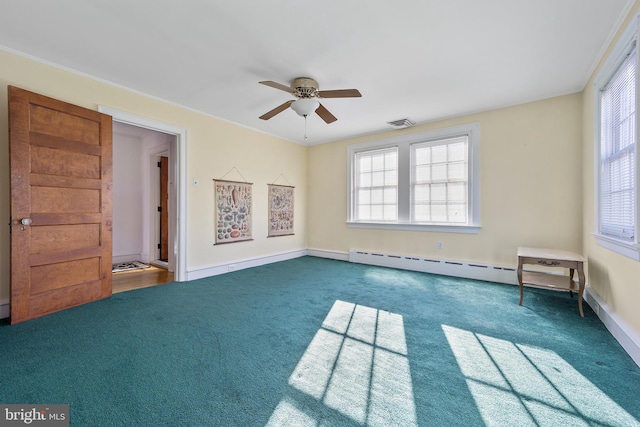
(615, 278)
(214, 148)
(530, 188)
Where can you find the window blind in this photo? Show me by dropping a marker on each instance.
(617, 152)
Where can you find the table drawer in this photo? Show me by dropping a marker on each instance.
(546, 262)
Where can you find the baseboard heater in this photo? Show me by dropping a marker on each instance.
(469, 270)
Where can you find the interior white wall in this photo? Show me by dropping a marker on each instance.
(135, 191)
(127, 198)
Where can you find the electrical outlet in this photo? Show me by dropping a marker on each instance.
(440, 245)
(232, 267)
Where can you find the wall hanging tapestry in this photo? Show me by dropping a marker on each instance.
(280, 210)
(233, 211)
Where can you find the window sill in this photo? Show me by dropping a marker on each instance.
(627, 249)
(440, 228)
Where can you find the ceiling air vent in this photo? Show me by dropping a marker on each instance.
(401, 124)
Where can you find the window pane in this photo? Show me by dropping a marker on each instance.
(391, 160)
(376, 212)
(457, 171)
(390, 195)
(439, 172)
(390, 213)
(391, 177)
(377, 179)
(456, 192)
(365, 164)
(376, 196)
(457, 152)
(439, 213)
(364, 197)
(364, 212)
(439, 192)
(439, 154)
(421, 193)
(423, 173)
(422, 155)
(365, 180)
(457, 213)
(377, 162)
(421, 213)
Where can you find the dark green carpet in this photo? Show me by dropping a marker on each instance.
(320, 342)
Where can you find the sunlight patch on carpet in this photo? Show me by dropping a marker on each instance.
(515, 384)
(357, 365)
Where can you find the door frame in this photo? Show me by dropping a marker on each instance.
(180, 163)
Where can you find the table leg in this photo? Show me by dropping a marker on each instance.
(571, 270)
(520, 281)
(581, 280)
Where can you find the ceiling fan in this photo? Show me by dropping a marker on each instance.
(307, 92)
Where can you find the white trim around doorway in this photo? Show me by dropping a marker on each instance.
(180, 274)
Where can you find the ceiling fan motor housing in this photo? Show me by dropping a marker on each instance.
(305, 87)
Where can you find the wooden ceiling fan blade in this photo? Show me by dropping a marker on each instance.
(340, 93)
(277, 110)
(325, 114)
(277, 86)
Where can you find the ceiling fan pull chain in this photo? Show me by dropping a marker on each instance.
(305, 127)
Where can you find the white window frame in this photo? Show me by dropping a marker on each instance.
(403, 144)
(629, 40)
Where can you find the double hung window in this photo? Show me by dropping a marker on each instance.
(425, 181)
(616, 150)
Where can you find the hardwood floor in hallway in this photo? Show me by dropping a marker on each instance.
(136, 279)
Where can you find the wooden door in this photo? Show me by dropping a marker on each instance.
(164, 208)
(61, 173)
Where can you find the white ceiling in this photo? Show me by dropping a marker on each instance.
(421, 59)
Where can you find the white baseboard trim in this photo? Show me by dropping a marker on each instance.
(321, 253)
(627, 337)
(445, 267)
(4, 309)
(215, 270)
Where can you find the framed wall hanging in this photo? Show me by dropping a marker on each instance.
(233, 213)
(280, 210)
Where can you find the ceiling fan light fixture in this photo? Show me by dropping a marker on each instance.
(305, 106)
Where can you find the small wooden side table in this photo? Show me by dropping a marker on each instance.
(551, 258)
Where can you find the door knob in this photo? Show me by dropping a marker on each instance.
(25, 222)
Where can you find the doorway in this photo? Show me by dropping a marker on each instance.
(140, 145)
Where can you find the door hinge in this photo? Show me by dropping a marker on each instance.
(159, 208)
(159, 164)
(159, 247)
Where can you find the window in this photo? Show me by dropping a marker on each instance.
(426, 181)
(377, 185)
(616, 150)
(439, 181)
